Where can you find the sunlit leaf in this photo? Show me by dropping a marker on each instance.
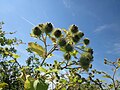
(37, 49)
(74, 53)
(2, 85)
(63, 88)
(41, 69)
(50, 55)
(40, 85)
(106, 76)
(28, 85)
(15, 56)
(12, 61)
(118, 62)
(53, 70)
(53, 39)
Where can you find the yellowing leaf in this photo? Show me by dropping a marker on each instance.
(12, 61)
(118, 62)
(50, 55)
(37, 49)
(28, 85)
(53, 39)
(2, 85)
(15, 55)
(53, 70)
(74, 53)
(41, 69)
(106, 76)
(63, 88)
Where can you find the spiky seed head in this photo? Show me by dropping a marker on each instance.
(80, 34)
(90, 50)
(84, 62)
(73, 29)
(57, 33)
(62, 42)
(75, 38)
(48, 28)
(86, 41)
(69, 48)
(37, 31)
(67, 56)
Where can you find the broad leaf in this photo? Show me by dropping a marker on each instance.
(40, 85)
(106, 76)
(37, 49)
(41, 69)
(15, 56)
(12, 61)
(28, 85)
(53, 70)
(2, 85)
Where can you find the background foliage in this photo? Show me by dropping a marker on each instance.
(73, 72)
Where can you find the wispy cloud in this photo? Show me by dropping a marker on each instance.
(103, 27)
(115, 48)
(67, 3)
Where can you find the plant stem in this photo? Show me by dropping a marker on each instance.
(52, 49)
(113, 79)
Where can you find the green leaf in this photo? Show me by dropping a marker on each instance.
(2, 85)
(12, 61)
(15, 56)
(118, 62)
(53, 70)
(74, 53)
(28, 85)
(106, 76)
(80, 81)
(50, 55)
(63, 81)
(40, 85)
(75, 79)
(41, 69)
(63, 88)
(37, 49)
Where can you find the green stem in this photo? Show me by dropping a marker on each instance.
(113, 79)
(48, 54)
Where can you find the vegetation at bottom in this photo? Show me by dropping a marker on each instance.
(72, 71)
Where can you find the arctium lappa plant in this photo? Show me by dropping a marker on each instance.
(76, 56)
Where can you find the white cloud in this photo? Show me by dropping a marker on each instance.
(67, 3)
(103, 27)
(115, 48)
(113, 26)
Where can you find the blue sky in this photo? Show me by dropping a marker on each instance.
(98, 19)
